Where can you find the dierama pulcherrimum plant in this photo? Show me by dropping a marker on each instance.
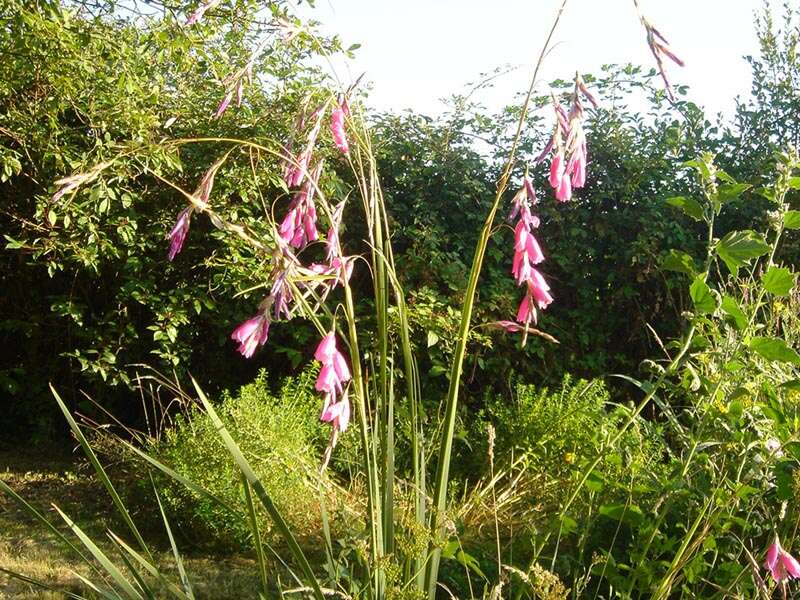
(351, 386)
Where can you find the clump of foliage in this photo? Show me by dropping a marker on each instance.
(282, 437)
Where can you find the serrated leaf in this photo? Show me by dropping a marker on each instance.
(723, 176)
(702, 297)
(679, 262)
(791, 219)
(690, 206)
(701, 167)
(731, 308)
(774, 350)
(738, 248)
(728, 192)
(778, 281)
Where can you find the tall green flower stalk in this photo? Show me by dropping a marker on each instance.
(442, 476)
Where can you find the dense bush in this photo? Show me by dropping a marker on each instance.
(282, 437)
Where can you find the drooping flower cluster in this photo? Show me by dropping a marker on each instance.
(331, 381)
(780, 563)
(659, 46)
(568, 144)
(299, 226)
(289, 278)
(528, 253)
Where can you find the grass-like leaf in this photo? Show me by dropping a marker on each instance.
(124, 585)
(101, 473)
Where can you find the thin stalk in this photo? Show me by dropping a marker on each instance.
(374, 518)
(446, 445)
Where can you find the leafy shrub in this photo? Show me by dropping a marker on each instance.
(540, 442)
(557, 428)
(282, 438)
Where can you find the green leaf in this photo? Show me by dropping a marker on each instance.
(679, 262)
(432, 338)
(731, 308)
(690, 206)
(568, 524)
(12, 243)
(794, 183)
(631, 514)
(729, 192)
(700, 166)
(738, 248)
(775, 350)
(791, 219)
(704, 300)
(778, 281)
(52, 218)
(113, 571)
(594, 483)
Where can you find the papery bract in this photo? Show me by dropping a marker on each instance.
(223, 106)
(334, 248)
(281, 294)
(577, 167)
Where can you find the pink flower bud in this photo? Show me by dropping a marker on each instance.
(337, 128)
(178, 234)
(223, 106)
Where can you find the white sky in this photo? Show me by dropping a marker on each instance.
(418, 51)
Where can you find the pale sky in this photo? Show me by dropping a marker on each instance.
(418, 51)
